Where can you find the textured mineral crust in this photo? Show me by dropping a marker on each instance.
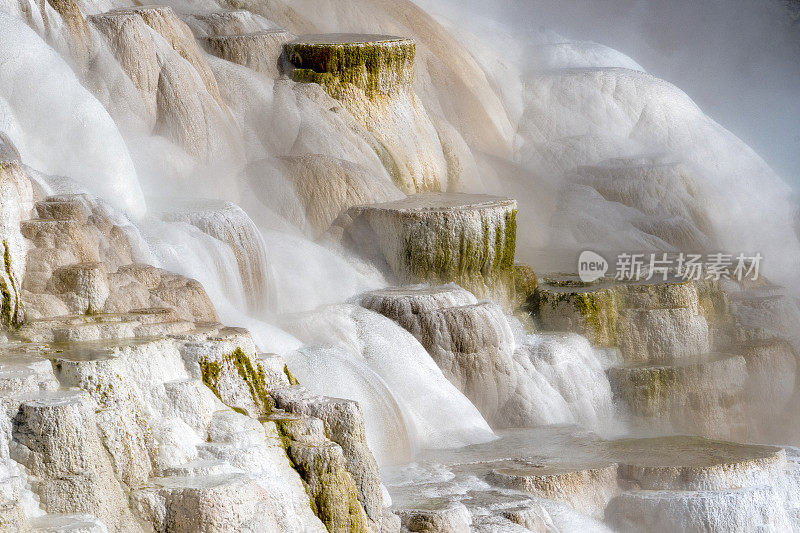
(372, 76)
(440, 238)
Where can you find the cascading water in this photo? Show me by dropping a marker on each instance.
(235, 175)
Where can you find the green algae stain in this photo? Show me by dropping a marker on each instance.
(480, 259)
(292, 380)
(11, 314)
(253, 376)
(376, 68)
(597, 312)
(333, 494)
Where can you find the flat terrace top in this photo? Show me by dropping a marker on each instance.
(682, 362)
(443, 201)
(530, 469)
(571, 283)
(248, 35)
(346, 38)
(550, 445)
(685, 451)
(417, 290)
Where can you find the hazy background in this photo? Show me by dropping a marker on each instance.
(739, 60)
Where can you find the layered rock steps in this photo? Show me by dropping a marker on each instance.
(372, 76)
(149, 401)
(470, 341)
(649, 321)
(630, 485)
(440, 238)
(586, 487)
(81, 259)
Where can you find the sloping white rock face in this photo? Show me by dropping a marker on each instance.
(260, 50)
(665, 193)
(435, 413)
(334, 371)
(227, 22)
(320, 188)
(649, 115)
(16, 197)
(160, 55)
(472, 343)
(514, 378)
(372, 76)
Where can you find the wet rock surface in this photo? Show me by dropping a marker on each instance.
(439, 238)
(372, 76)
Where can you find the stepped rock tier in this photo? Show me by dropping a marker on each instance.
(723, 394)
(586, 487)
(694, 484)
(693, 357)
(372, 76)
(470, 341)
(260, 50)
(376, 64)
(687, 482)
(441, 237)
(201, 431)
(650, 321)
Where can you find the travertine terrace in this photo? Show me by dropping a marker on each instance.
(309, 266)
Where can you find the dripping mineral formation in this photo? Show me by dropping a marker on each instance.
(263, 271)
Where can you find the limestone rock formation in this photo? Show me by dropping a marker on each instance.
(692, 362)
(125, 403)
(405, 305)
(261, 50)
(128, 407)
(450, 79)
(440, 238)
(663, 191)
(439, 516)
(155, 415)
(660, 484)
(702, 395)
(322, 188)
(163, 60)
(355, 475)
(471, 342)
(82, 258)
(514, 378)
(226, 22)
(385, 356)
(372, 76)
(717, 484)
(723, 394)
(16, 197)
(651, 321)
(587, 488)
